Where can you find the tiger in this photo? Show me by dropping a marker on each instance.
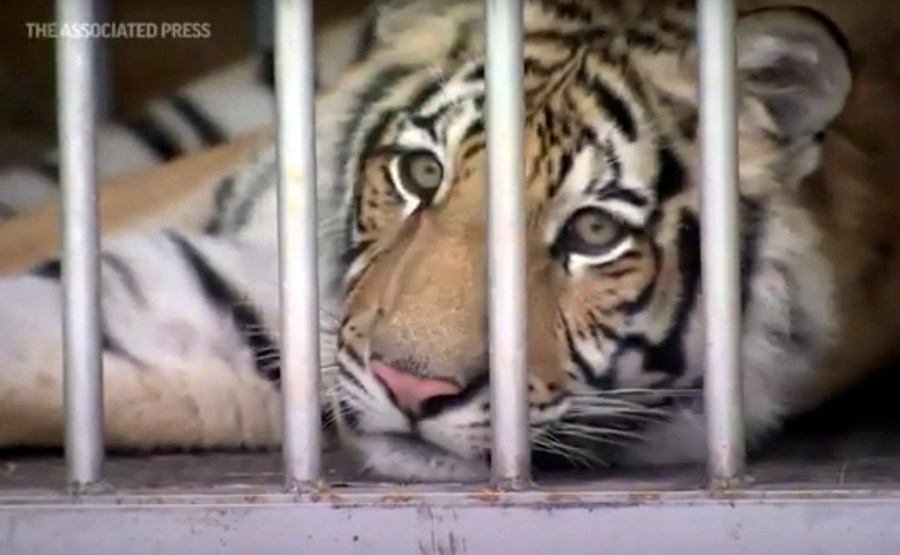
(208, 111)
(615, 319)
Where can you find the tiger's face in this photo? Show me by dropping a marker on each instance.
(614, 324)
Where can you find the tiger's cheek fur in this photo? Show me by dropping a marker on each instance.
(595, 309)
(612, 290)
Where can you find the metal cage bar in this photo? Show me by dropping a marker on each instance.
(719, 245)
(437, 519)
(76, 83)
(297, 232)
(298, 242)
(506, 243)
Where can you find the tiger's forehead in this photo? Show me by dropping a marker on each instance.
(594, 126)
(438, 115)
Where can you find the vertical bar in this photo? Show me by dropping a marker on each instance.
(83, 397)
(297, 226)
(506, 243)
(718, 137)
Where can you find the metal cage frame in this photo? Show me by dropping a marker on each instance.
(511, 514)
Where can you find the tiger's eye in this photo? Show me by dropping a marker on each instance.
(595, 228)
(592, 231)
(422, 173)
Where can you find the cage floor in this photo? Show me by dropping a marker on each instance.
(867, 460)
(851, 443)
(187, 473)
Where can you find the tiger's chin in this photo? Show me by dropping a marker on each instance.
(401, 457)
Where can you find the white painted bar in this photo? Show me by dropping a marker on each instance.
(720, 241)
(506, 243)
(83, 389)
(297, 227)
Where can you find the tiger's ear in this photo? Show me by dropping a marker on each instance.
(428, 24)
(796, 63)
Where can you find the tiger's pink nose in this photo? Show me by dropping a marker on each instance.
(411, 391)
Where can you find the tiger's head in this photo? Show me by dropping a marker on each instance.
(613, 246)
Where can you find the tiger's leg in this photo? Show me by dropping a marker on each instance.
(189, 352)
(183, 194)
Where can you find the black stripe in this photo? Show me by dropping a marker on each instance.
(246, 320)
(475, 148)
(669, 356)
(446, 403)
(568, 10)
(612, 104)
(670, 180)
(354, 355)
(267, 68)
(643, 39)
(614, 191)
(112, 346)
(126, 275)
(346, 259)
(367, 39)
(350, 377)
(224, 193)
(425, 94)
(599, 330)
(205, 128)
(535, 67)
(155, 136)
(349, 256)
(267, 71)
(572, 39)
(370, 144)
(429, 124)
(565, 166)
(476, 74)
(379, 87)
(49, 269)
(349, 414)
(587, 372)
(249, 201)
(752, 225)
(792, 333)
(49, 169)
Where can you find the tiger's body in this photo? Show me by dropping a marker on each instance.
(211, 110)
(615, 329)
